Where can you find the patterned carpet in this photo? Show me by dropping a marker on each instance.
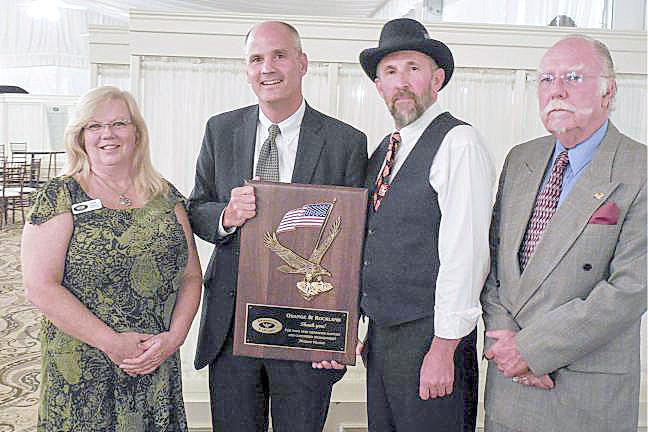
(19, 346)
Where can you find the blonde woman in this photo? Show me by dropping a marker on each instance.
(109, 258)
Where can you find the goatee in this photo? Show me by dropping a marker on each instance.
(406, 115)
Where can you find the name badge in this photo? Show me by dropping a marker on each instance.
(86, 206)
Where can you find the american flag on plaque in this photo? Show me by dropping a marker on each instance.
(309, 215)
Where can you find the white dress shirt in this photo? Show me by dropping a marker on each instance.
(286, 141)
(463, 177)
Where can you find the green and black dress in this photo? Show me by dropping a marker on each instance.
(126, 267)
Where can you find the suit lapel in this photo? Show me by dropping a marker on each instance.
(244, 141)
(572, 217)
(309, 147)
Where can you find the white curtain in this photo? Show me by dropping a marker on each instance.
(177, 96)
(485, 99)
(316, 88)
(630, 113)
(114, 75)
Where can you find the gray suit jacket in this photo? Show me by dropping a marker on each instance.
(329, 152)
(578, 304)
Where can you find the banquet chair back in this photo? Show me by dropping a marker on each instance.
(12, 194)
(18, 151)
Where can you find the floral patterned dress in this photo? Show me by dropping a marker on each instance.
(126, 267)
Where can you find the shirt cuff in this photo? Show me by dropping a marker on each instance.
(455, 325)
(222, 232)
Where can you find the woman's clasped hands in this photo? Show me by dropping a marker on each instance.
(141, 354)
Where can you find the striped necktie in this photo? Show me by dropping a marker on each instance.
(544, 209)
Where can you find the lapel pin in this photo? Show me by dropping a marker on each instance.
(599, 195)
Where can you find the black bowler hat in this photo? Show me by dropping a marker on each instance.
(404, 34)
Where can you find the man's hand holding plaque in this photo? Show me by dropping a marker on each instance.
(241, 207)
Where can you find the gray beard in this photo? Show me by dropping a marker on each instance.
(404, 117)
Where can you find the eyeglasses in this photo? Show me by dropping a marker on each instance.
(571, 79)
(95, 127)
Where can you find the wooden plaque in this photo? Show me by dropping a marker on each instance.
(299, 273)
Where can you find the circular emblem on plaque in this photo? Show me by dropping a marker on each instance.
(267, 325)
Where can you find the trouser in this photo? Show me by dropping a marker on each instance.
(394, 356)
(242, 389)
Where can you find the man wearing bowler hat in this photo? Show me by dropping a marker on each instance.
(426, 251)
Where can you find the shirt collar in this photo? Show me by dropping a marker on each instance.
(583, 153)
(288, 127)
(413, 131)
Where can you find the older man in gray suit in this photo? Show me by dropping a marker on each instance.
(567, 288)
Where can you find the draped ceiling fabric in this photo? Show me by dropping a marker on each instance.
(42, 56)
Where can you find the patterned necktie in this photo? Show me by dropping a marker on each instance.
(545, 207)
(268, 163)
(382, 182)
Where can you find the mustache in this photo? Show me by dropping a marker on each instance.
(403, 93)
(558, 104)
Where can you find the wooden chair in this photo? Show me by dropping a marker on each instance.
(18, 151)
(3, 158)
(3, 200)
(12, 196)
(34, 176)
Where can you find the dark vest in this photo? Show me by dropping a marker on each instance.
(401, 259)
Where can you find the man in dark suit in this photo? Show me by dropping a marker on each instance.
(567, 288)
(426, 249)
(280, 139)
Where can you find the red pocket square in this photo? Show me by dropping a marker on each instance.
(607, 214)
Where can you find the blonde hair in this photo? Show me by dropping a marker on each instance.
(148, 182)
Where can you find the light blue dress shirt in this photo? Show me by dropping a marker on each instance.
(579, 157)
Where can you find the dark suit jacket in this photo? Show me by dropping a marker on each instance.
(329, 152)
